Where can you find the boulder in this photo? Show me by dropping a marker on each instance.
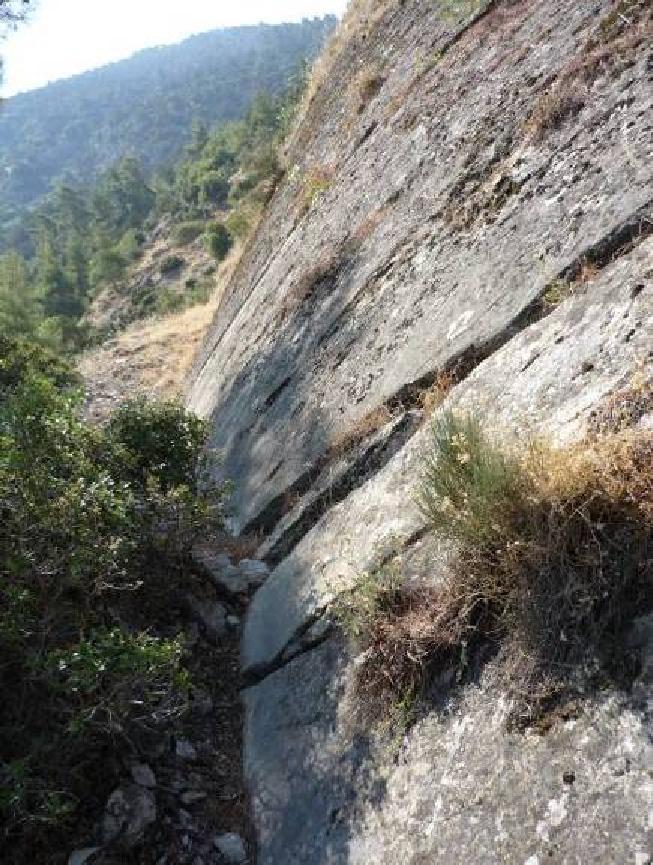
(232, 848)
(235, 580)
(129, 811)
(143, 775)
(210, 614)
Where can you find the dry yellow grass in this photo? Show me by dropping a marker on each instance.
(552, 563)
(361, 17)
(434, 396)
(361, 429)
(153, 356)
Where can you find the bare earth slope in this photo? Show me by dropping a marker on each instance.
(468, 195)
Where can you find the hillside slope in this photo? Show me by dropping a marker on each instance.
(144, 105)
(466, 218)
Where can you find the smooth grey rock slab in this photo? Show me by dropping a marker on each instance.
(301, 782)
(546, 380)
(464, 216)
(460, 789)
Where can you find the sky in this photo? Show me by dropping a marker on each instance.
(64, 37)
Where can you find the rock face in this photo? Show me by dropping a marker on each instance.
(471, 208)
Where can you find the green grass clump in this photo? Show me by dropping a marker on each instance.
(467, 485)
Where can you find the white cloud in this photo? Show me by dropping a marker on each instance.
(69, 36)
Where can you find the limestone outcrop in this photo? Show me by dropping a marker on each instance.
(466, 219)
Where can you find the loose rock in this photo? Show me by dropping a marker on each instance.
(246, 577)
(211, 615)
(143, 775)
(81, 857)
(130, 810)
(232, 847)
(185, 750)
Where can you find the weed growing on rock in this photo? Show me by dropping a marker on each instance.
(562, 101)
(315, 183)
(366, 86)
(552, 561)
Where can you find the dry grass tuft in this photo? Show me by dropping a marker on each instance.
(322, 273)
(434, 396)
(563, 100)
(624, 408)
(611, 49)
(240, 547)
(314, 184)
(365, 426)
(368, 226)
(358, 24)
(553, 560)
(365, 87)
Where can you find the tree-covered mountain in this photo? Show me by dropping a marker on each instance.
(73, 129)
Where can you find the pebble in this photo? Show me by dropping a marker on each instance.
(232, 847)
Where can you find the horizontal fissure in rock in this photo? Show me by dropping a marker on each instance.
(409, 398)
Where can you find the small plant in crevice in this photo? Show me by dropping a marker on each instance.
(315, 183)
(366, 86)
(365, 426)
(551, 562)
(562, 101)
(395, 629)
(452, 10)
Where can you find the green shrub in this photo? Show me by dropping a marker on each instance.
(160, 441)
(218, 240)
(550, 562)
(130, 245)
(187, 232)
(20, 360)
(467, 484)
(171, 263)
(237, 224)
(95, 531)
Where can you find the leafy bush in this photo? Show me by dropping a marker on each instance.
(238, 224)
(95, 531)
(552, 561)
(21, 360)
(187, 232)
(130, 244)
(218, 240)
(171, 263)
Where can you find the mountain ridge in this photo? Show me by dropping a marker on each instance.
(73, 128)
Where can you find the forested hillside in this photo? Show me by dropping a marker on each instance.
(82, 243)
(145, 106)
